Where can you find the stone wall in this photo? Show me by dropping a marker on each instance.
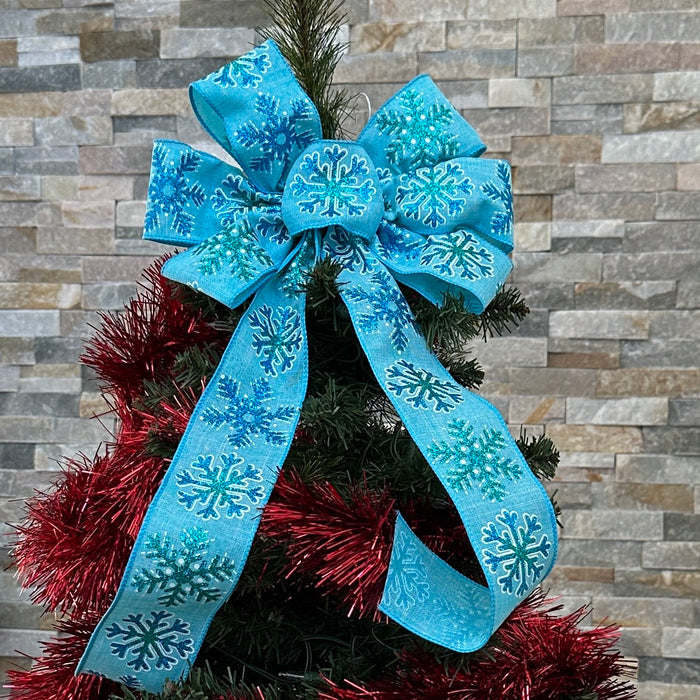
(596, 103)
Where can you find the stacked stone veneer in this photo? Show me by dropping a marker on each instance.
(596, 103)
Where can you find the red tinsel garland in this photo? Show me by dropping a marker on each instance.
(535, 655)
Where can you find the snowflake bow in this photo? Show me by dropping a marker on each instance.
(408, 202)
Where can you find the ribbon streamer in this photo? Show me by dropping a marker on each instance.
(408, 202)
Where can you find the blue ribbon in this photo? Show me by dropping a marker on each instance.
(408, 202)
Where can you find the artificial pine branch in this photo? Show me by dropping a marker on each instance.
(306, 32)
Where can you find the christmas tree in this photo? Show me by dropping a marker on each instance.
(313, 612)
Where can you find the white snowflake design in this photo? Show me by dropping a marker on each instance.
(384, 303)
(171, 197)
(237, 248)
(476, 461)
(247, 415)
(518, 551)
(334, 181)
(236, 199)
(418, 131)
(246, 72)
(278, 338)
(500, 191)
(220, 489)
(407, 581)
(349, 250)
(422, 389)
(182, 572)
(458, 253)
(429, 193)
(276, 135)
(159, 637)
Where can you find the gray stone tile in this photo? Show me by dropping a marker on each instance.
(684, 412)
(682, 527)
(458, 65)
(244, 13)
(15, 455)
(682, 671)
(602, 89)
(47, 160)
(40, 78)
(639, 27)
(676, 440)
(113, 75)
(658, 353)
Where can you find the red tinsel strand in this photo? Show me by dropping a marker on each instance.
(52, 674)
(535, 655)
(141, 342)
(344, 546)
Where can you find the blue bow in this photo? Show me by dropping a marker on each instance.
(408, 202)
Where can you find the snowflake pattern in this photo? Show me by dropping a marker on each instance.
(456, 616)
(349, 250)
(395, 242)
(334, 179)
(296, 276)
(407, 579)
(277, 134)
(419, 132)
(182, 572)
(157, 637)
(518, 551)
(170, 196)
(246, 72)
(278, 337)
(235, 247)
(429, 192)
(476, 461)
(384, 302)
(502, 221)
(236, 199)
(223, 488)
(248, 416)
(460, 253)
(422, 389)
(129, 681)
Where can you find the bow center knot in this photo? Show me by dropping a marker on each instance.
(333, 183)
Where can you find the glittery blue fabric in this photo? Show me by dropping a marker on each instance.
(408, 202)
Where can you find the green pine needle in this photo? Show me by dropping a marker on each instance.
(306, 33)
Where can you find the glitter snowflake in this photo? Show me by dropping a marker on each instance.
(296, 275)
(129, 681)
(224, 487)
(418, 132)
(247, 416)
(236, 199)
(237, 248)
(384, 302)
(246, 72)
(158, 637)
(181, 572)
(276, 134)
(518, 551)
(460, 253)
(407, 582)
(476, 461)
(396, 242)
(429, 193)
(422, 389)
(500, 191)
(334, 181)
(170, 196)
(278, 337)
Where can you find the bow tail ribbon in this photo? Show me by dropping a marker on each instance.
(506, 512)
(200, 526)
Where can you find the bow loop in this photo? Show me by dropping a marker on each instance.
(256, 110)
(416, 128)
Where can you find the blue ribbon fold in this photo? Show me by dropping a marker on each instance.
(408, 202)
